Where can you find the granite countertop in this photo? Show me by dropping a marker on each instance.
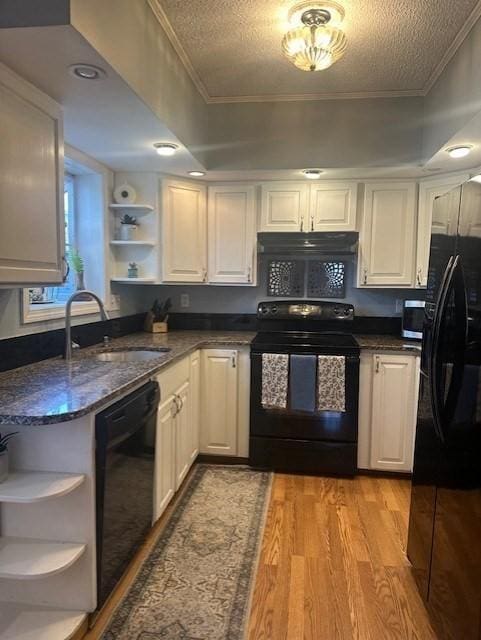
(388, 343)
(54, 391)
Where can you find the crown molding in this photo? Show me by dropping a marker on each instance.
(164, 22)
(317, 96)
(453, 48)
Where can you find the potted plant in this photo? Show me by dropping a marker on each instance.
(4, 455)
(128, 227)
(133, 270)
(77, 264)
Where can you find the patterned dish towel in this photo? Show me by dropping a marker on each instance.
(275, 368)
(331, 383)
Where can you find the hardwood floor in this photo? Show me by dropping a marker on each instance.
(333, 565)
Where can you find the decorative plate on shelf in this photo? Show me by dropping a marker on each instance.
(125, 194)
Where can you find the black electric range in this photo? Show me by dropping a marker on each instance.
(314, 441)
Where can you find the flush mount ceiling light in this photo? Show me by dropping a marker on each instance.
(313, 44)
(197, 174)
(86, 71)
(166, 148)
(460, 151)
(312, 174)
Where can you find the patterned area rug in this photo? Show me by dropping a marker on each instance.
(196, 583)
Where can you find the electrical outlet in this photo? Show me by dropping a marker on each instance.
(114, 302)
(399, 305)
(184, 300)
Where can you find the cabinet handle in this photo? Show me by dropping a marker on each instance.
(365, 276)
(234, 360)
(174, 409)
(302, 224)
(204, 275)
(179, 400)
(377, 364)
(312, 223)
(67, 269)
(418, 275)
(249, 274)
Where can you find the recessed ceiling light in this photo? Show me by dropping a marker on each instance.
(460, 151)
(86, 71)
(166, 148)
(197, 174)
(476, 179)
(312, 174)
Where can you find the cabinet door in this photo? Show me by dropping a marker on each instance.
(428, 192)
(183, 437)
(219, 402)
(333, 206)
(394, 410)
(232, 234)
(164, 487)
(31, 184)
(284, 206)
(387, 240)
(194, 406)
(184, 232)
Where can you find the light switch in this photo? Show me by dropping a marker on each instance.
(184, 300)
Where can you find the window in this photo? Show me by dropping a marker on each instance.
(44, 303)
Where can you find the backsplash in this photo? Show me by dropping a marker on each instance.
(225, 299)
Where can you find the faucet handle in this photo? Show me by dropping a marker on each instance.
(75, 345)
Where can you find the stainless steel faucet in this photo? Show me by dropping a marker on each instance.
(68, 317)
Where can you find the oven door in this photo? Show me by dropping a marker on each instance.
(324, 425)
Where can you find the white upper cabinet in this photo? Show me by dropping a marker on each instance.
(333, 206)
(428, 192)
(284, 206)
(184, 232)
(232, 234)
(388, 240)
(31, 184)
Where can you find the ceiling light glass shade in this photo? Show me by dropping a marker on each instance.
(460, 152)
(314, 48)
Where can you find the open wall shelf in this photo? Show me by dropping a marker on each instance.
(26, 487)
(132, 207)
(25, 622)
(30, 559)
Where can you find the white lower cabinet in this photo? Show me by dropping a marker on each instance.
(387, 411)
(219, 384)
(164, 456)
(194, 405)
(183, 435)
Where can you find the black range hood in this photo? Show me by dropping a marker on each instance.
(327, 243)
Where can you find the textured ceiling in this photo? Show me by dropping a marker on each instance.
(393, 46)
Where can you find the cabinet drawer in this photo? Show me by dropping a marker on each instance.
(173, 377)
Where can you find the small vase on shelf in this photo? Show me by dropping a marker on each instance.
(133, 270)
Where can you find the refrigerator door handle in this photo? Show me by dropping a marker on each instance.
(434, 377)
(460, 339)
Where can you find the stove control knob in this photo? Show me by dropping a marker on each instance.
(274, 310)
(264, 309)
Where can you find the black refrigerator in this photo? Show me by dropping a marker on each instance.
(444, 541)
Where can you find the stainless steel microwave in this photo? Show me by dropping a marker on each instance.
(413, 319)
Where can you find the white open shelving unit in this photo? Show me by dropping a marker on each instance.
(28, 559)
(143, 249)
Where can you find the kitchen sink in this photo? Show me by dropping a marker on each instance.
(130, 355)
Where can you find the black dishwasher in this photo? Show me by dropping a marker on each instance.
(124, 456)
